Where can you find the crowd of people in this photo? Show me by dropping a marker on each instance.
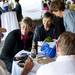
(58, 23)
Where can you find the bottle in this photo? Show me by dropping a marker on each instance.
(33, 51)
(11, 6)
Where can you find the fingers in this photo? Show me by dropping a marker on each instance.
(28, 62)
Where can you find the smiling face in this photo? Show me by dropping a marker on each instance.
(46, 23)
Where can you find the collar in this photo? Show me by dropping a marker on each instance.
(65, 58)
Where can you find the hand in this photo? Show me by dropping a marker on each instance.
(2, 29)
(27, 66)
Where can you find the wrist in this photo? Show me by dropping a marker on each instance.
(25, 72)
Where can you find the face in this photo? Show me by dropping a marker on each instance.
(46, 22)
(24, 28)
(57, 13)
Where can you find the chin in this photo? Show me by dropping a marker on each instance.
(23, 33)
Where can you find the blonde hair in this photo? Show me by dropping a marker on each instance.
(28, 21)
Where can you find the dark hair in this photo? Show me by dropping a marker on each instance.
(66, 42)
(28, 21)
(48, 15)
(57, 6)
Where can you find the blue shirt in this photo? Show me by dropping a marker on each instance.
(69, 20)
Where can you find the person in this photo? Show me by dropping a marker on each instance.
(43, 31)
(58, 9)
(16, 41)
(0, 15)
(65, 61)
(2, 30)
(27, 66)
(5, 7)
(18, 10)
(73, 1)
(58, 22)
(3, 69)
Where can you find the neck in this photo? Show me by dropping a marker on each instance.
(62, 13)
(46, 28)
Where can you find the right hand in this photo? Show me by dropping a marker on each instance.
(27, 66)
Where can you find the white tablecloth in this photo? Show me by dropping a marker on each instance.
(16, 70)
(9, 21)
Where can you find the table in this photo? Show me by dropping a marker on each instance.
(9, 21)
(16, 70)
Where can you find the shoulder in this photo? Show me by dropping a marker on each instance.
(69, 12)
(39, 27)
(46, 69)
(14, 33)
(18, 4)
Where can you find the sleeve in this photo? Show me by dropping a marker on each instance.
(40, 71)
(36, 36)
(1, 10)
(69, 21)
(55, 32)
(16, 7)
(8, 48)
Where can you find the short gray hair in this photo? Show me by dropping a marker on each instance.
(66, 42)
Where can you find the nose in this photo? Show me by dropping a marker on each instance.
(46, 23)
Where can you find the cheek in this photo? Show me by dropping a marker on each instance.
(55, 13)
(58, 14)
(49, 23)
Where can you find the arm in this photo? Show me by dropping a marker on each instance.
(69, 21)
(36, 37)
(27, 66)
(7, 51)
